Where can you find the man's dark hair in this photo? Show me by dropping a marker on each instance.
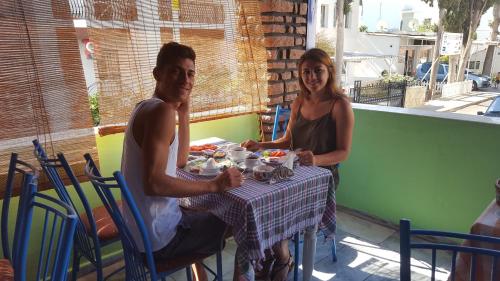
(171, 52)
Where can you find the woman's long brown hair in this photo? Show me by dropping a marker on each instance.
(318, 55)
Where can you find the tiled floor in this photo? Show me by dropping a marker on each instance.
(366, 251)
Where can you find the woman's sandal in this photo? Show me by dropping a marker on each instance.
(264, 273)
(278, 267)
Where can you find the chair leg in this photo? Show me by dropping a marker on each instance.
(188, 273)
(219, 266)
(76, 264)
(334, 250)
(100, 276)
(296, 239)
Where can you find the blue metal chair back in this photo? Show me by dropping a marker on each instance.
(54, 240)
(134, 259)
(28, 174)
(87, 243)
(281, 113)
(406, 245)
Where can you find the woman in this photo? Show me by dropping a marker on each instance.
(320, 129)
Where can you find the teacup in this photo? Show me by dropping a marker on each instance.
(251, 162)
(262, 172)
(238, 153)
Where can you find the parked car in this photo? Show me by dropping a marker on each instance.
(478, 81)
(493, 110)
(424, 73)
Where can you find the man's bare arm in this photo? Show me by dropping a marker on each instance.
(159, 131)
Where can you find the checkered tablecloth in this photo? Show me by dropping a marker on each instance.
(262, 214)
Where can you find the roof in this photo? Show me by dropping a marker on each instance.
(357, 56)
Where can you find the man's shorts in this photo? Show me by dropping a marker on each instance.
(198, 233)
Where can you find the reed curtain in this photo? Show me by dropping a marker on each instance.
(226, 35)
(42, 87)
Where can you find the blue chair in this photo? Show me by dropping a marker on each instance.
(54, 239)
(284, 114)
(90, 236)
(406, 233)
(20, 174)
(138, 265)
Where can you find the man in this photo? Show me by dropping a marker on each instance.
(153, 150)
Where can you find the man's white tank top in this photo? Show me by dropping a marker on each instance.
(161, 215)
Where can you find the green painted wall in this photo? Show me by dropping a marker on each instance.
(234, 129)
(437, 172)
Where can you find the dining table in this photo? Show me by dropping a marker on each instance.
(262, 214)
(488, 224)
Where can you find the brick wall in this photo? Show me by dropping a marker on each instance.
(284, 24)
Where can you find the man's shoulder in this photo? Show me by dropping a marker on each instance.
(157, 108)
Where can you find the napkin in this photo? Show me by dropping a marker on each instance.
(290, 157)
(283, 171)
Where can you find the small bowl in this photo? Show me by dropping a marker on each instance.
(262, 172)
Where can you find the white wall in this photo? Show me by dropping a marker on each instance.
(330, 29)
(371, 69)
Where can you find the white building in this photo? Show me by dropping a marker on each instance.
(476, 61)
(368, 54)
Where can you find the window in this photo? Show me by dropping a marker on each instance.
(478, 64)
(441, 69)
(230, 77)
(324, 16)
(471, 65)
(43, 87)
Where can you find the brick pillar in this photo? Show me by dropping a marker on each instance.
(284, 24)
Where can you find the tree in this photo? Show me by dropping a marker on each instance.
(427, 26)
(494, 34)
(363, 28)
(325, 43)
(442, 4)
(477, 8)
(342, 7)
(339, 46)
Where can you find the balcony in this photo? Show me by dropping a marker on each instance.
(437, 170)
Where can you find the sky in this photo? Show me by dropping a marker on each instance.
(390, 12)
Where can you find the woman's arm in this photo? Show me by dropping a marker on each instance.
(284, 141)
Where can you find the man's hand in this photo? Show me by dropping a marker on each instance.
(306, 158)
(251, 145)
(183, 108)
(229, 179)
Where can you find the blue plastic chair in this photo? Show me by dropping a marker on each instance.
(25, 175)
(281, 115)
(54, 239)
(138, 265)
(406, 233)
(284, 114)
(88, 244)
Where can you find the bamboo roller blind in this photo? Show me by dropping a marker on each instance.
(225, 34)
(42, 88)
